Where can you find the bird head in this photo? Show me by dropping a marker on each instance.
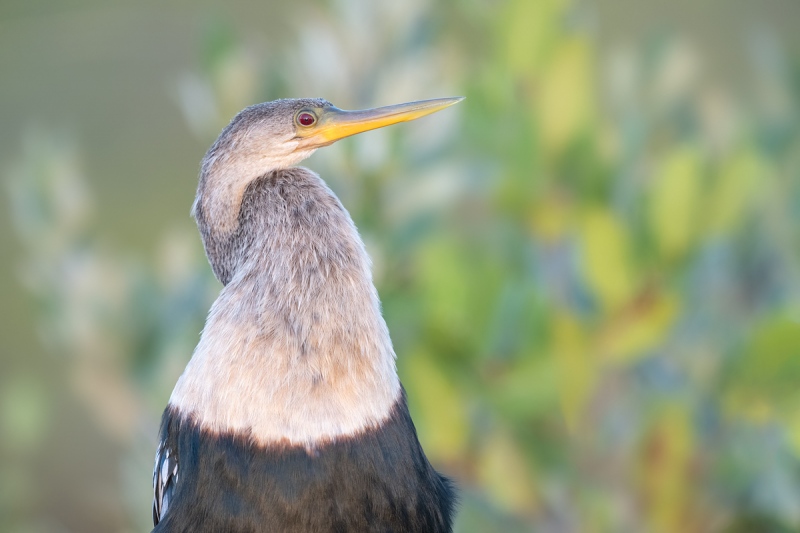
(279, 134)
(316, 126)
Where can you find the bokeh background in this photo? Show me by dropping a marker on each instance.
(590, 267)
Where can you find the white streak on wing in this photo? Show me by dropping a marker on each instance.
(163, 481)
(165, 467)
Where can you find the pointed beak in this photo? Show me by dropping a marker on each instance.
(335, 124)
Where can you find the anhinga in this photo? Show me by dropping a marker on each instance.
(290, 416)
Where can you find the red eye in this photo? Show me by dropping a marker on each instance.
(306, 119)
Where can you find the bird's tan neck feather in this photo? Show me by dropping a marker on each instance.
(295, 348)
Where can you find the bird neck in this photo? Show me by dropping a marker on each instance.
(296, 335)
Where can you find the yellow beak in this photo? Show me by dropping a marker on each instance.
(334, 124)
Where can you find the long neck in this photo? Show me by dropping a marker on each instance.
(297, 258)
(296, 335)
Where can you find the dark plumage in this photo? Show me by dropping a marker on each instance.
(289, 416)
(376, 481)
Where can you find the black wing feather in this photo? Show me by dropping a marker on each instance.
(165, 477)
(378, 480)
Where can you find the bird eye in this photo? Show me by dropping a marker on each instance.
(306, 119)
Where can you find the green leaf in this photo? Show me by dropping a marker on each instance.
(764, 382)
(565, 104)
(505, 473)
(529, 29)
(577, 369)
(675, 202)
(732, 191)
(438, 408)
(639, 329)
(665, 470)
(607, 265)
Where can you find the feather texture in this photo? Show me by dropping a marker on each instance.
(376, 481)
(165, 477)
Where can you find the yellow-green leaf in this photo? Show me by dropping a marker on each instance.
(665, 470)
(529, 29)
(633, 333)
(675, 202)
(444, 278)
(565, 103)
(764, 382)
(733, 190)
(575, 365)
(505, 473)
(550, 220)
(607, 258)
(793, 430)
(439, 410)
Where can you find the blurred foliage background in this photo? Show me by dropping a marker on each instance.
(590, 267)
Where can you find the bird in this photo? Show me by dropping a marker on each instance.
(290, 416)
